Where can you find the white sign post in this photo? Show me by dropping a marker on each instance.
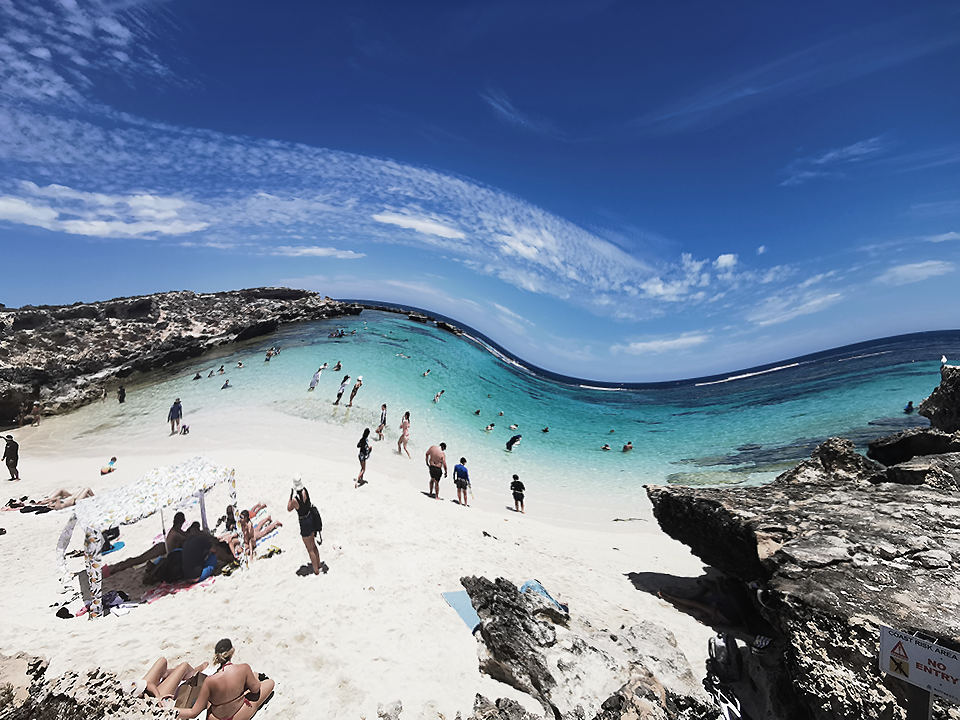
(920, 663)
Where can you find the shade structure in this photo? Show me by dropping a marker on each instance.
(160, 488)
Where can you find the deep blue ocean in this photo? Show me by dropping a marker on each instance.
(743, 428)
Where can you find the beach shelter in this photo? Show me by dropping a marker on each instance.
(160, 488)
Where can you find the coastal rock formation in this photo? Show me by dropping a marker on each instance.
(942, 408)
(906, 445)
(573, 669)
(65, 356)
(840, 550)
(96, 695)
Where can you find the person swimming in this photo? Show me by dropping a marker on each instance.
(226, 385)
(628, 447)
(545, 430)
(513, 441)
(605, 446)
(476, 412)
(514, 426)
(490, 427)
(909, 408)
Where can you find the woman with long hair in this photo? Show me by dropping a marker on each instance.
(364, 447)
(233, 692)
(404, 435)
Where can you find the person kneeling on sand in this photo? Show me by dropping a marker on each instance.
(233, 692)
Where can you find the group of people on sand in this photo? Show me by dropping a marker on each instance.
(231, 692)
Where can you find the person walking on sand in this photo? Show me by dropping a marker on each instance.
(176, 412)
(404, 435)
(383, 421)
(516, 487)
(343, 388)
(300, 501)
(11, 456)
(437, 464)
(461, 478)
(364, 447)
(121, 394)
(356, 389)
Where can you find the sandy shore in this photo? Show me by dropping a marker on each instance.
(374, 628)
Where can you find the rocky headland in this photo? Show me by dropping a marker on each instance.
(65, 356)
(834, 548)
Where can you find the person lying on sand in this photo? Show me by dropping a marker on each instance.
(163, 682)
(64, 498)
(233, 692)
(253, 532)
(158, 550)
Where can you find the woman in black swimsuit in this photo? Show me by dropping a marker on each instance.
(300, 501)
(364, 447)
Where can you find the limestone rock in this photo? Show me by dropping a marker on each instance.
(942, 407)
(942, 471)
(64, 356)
(906, 445)
(390, 711)
(841, 552)
(575, 670)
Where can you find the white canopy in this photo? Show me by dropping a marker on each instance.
(158, 489)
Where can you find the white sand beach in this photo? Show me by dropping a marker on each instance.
(373, 629)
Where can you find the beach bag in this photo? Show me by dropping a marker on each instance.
(725, 660)
(317, 522)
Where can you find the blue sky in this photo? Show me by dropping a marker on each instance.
(612, 190)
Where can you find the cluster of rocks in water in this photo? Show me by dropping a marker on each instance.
(65, 356)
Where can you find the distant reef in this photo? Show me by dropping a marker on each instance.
(65, 356)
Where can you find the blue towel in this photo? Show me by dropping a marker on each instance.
(115, 546)
(540, 590)
(460, 601)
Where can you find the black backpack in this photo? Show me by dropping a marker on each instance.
(317, 522)
(725, 660)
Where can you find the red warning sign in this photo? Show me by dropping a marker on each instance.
(899, 652)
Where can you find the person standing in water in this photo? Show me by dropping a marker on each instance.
(316, 377)
(437, 464)
(513, 441)
(356, 389)
(383, 421)
(436, 398)
(342, 390)
(517, 488)
(364, 447)
(404, 435)
(174, 416)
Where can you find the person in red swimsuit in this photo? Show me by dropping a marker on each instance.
(233, 692)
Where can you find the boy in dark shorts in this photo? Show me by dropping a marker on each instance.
(517, 488)
(462, 480)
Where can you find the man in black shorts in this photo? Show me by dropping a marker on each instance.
(11, 455)
(437, 464)
(517, 488)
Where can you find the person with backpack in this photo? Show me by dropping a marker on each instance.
(310, 523)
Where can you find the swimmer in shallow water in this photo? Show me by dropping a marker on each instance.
(605, 447)
(338, 367)
(476, 412)
(226, 385)
(909, 408)
(546, 429)
(514, 427)
(489, 427)
(426, 373)
(628, 447)
(436, 398)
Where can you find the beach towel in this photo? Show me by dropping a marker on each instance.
(460, 601)
(164, 589)
(536, 587)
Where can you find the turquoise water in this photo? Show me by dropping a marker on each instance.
(722, 431)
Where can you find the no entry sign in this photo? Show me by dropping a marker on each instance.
(920, 663)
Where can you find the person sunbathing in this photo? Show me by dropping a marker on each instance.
(64, 498)
(158, 550)
(253, 532)
(233, 692)
(162, 681)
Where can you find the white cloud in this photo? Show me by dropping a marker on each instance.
(943, 237)
(761, 250)
(828, 163)
(426, 226)
(780, 308)
(915, 272)
(313, 251)
(727, 261)
(662, 345)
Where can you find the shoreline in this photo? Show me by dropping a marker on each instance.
(359, 635)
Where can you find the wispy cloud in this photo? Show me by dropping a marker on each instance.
(425, 225)
(831, 162)
(823, 65)
(915, 272)
(785, 306)
(505, 110)
(943, 237)
(313, 251)
(934, 209)
(662, 345)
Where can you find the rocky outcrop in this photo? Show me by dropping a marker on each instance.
(903, 446)
(573, 669)
(64, 356)
(841, 550)
(942, 408)
(93, 696)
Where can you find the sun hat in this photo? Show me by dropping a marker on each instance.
(359, 377)
(297, 482)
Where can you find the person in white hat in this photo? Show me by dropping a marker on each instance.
(353, 393)
(300, 501)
